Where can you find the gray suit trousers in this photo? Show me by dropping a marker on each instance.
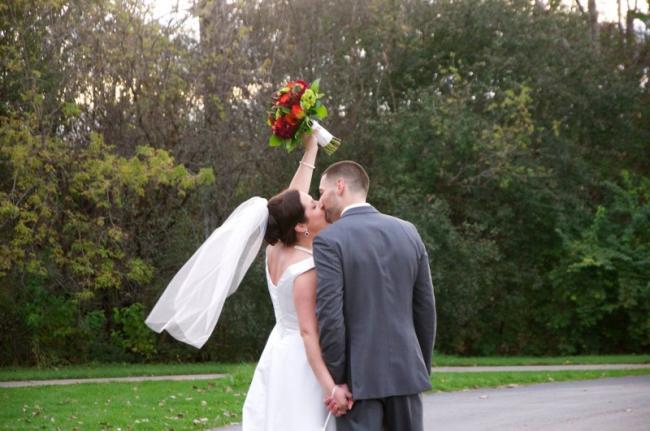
(400, 413)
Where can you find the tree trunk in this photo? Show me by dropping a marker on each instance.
(620, 18)
(594, 32)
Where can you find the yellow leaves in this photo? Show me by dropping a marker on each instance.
(22, 233)
(107, 277)
(140, 271)
(71, 207)
(7, 209)
(181, 177)
(115, 234)
(19, 155)
(58, 255)
(35, 266)
(96, 146)
(557, 126)
(84, 295)
(205, 176)
(132, 173)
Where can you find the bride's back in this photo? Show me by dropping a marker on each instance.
(279, 258)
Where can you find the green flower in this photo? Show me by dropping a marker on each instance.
(308, 99)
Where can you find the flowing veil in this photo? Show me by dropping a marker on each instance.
(191, 304)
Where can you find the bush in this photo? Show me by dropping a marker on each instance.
(131, 334)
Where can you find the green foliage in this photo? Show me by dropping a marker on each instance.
(69, 208)
(603, 283)
(499, 128)
(51, 324)
(131, 334)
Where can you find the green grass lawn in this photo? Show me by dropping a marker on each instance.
(198, 405)
(126, 370)
(448, 382)
(111, 370)
(165, 405)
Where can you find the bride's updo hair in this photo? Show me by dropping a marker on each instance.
(285, 212)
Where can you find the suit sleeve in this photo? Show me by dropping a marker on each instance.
(329, 307)
(424, 307)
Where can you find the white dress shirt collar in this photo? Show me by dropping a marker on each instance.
(362, 204)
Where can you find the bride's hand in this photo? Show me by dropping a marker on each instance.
(340, 402)
(309, 139)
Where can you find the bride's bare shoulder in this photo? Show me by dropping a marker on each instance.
(282, 256)
(276, 252)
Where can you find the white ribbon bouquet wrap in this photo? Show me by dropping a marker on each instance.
(192, 302)
(324, 138)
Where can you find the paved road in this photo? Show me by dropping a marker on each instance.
(23, 383)
(594, 405)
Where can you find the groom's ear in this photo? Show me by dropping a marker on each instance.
(340, 186)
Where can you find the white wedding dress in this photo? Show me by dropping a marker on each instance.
(284, 394)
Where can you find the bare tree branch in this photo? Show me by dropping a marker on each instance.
(582, 10)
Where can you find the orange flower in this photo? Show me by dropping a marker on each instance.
(298, 112)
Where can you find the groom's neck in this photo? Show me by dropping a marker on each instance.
(352, 200)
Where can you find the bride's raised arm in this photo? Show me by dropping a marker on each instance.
(302, 178)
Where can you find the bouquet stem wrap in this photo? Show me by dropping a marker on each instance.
(325, 139)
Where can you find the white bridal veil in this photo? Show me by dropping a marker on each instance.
(192, 302)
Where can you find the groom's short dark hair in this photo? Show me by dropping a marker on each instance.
(356, 178)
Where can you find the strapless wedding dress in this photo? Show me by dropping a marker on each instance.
(284, 394)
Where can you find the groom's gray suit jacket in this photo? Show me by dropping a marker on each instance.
(375, 304)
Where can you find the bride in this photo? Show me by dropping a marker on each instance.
(291, 380)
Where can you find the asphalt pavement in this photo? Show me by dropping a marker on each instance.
(611, 404)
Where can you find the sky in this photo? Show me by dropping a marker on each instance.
(163, 11)
(607, 10)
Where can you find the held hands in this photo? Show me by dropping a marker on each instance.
(340, 401)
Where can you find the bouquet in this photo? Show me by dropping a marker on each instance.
(296, 107)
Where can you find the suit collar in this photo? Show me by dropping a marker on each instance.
(366, 209)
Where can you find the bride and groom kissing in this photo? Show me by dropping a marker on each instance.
(355, 311)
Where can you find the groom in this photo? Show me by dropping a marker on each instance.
(375, 305)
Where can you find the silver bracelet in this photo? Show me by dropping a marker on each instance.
(307, 164)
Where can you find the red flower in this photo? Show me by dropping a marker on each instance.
(291, 119)
(283, 129)
(285, 99)
(299, 85)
